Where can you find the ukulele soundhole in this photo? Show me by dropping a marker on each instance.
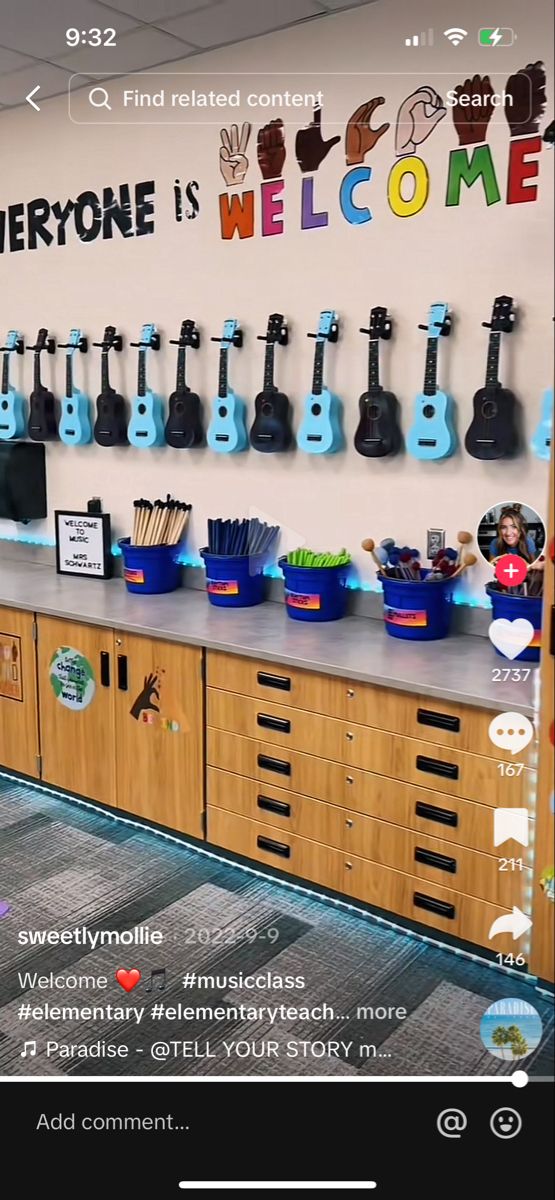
(316, 409)
(489, 409)
(373, 412)
(267, 409)
(222, 411)
(428, 411)
(4, 405)
(70, 410)
(180, 407)
(142, 409)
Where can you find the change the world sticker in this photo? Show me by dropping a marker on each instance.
(72, 678)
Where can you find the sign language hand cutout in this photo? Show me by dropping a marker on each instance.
(417, 118)
(234, 163)
(359, 135)
(310, 147)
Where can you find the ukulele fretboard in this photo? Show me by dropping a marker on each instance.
(269, 368)
(180, 381)
(5, 373)
(222, 377)
(373, 365)
(492, 368)
(318, 373)
(430, 373)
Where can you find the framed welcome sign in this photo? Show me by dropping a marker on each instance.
(83, 544)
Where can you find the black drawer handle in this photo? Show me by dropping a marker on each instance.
(444, 816)
(274, 806)
(431, 859)
(274, 764)
(282, 682)
(104, 668)
(435, 766)
(122, 672)
(266, 843)
(280, 724)
(425, 716)
(435, 906)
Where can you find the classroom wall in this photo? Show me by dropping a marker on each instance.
(464, 254)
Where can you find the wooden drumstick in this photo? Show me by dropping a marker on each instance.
(464, 538)
(369, 545)
(469, 561)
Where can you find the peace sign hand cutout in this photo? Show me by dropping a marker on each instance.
(234, 163)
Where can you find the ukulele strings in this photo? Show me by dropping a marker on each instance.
(160, 522)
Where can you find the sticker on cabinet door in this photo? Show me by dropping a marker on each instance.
(72, 678)
(158, 705)
(547, 883)
(11, 682)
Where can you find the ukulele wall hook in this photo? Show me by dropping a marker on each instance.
(385, 330)
(152, 344)
(114, 342)
(332, 334)
(17, 348)
(82, 345)
(43, 343)
(282, 338)
(193, 342)
(236, 340)
(444, 327)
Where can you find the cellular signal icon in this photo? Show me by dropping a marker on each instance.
(421, 39)
(455, 36)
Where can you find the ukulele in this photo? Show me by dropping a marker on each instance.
(433, 434)
(378, 431)
(111, 422)
(43, 426)
(493, 432)
(541, 441)
(146, 427)
(271, 428)
(184, 425)
(227, 432)
(75, 427)
(12, 404)
(320, 431)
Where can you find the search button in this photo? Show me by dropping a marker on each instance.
(99, 98)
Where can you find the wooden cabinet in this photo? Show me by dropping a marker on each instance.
(159, 738)
(76, 697)
(121, 721)
(19, 745)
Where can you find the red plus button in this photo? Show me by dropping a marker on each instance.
(511, 570)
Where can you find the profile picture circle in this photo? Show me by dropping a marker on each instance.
(511, 1029)
(511, 527)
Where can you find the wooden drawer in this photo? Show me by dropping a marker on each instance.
(439, 721)
(460, 821)
(426, 857)
(471, 776)
(429, 904)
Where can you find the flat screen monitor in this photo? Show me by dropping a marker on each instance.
(22, 481)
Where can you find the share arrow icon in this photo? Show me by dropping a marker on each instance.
(516, 923)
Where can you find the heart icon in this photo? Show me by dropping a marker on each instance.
(511, 637)
(128, 979)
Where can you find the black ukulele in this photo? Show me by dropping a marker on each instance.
(378, 431)
(184, 424)
(110, 427)
(493, 432)
(271, 428)
(43, 426)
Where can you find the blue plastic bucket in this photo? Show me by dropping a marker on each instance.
(151, 570)
(234, 580)
(315, 593)
(513, 608)
(419, 612)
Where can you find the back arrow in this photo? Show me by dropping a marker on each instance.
(29, 98)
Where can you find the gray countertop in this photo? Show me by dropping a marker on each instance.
(458, 668)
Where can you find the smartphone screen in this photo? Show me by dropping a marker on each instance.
(276, 592)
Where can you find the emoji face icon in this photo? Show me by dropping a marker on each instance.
(511, 731)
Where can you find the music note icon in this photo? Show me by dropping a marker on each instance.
(161, 975)
(31, 1052)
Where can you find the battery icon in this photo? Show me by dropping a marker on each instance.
(495, 36)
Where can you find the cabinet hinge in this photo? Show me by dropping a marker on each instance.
(35, 631)
(38, 758)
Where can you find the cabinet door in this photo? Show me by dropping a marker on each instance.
(159, 732)
(18, 693)
(75, 669)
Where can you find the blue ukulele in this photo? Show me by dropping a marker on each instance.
(227, 431)
(433, 432)
(146, 427)
(321, 431)
(541, 441)
(75, 427)
(13, 423)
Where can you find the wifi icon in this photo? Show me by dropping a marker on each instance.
(455, 36)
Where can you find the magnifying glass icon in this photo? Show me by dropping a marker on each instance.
(103, 98)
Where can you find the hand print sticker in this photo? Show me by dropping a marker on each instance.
(417, 118)
(234, 163)
(158, 704)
